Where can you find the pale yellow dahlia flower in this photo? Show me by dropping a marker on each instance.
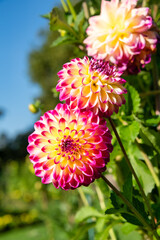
(120, 33)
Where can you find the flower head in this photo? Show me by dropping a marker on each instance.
(91, 84)
(69, 148)
(120, 32)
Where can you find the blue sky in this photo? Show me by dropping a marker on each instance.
(20, 23)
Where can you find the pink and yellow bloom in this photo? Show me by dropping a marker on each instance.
(69, 148)
(120, 32)
(91, 84)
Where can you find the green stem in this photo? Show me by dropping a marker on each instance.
(146, 94)
(150, 167)
(64, 6)
(71, 9)
(83, 197)
(144, 3)
(86, 10)
(112, 234)
(100, 197)
(155, 10)
(133, 172)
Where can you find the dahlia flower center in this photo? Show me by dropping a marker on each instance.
(119, 33)
(100, 71)
(104, 68)
(117, 26)
(68, 145)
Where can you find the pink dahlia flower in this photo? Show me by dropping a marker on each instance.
(91, 84)
(69, 148)
(121, 32)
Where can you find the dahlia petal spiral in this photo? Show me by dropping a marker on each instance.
(120, 33)
(91, 84)
(69, 148)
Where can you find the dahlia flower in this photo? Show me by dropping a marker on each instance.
(69, 148)
(91, 84)
(121, 32)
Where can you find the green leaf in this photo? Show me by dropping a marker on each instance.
(124, 213)
(135, 99)
(79, 20)
(154, 121)
(143, 174)
(116, 201)
(47, 16)
(151, 138)
(108, 203)
(87, 212)
(115, 211)
(129, 132)
(140, 168)
(56, 23)
(127, 188)
(149, 150)
(132, 101)
(131, 219)
(140, 208)
(128, 227)
(61, 40)
(158, 231)
(121, 235)
(145, 138)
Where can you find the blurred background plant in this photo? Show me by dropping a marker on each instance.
(31, 210)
